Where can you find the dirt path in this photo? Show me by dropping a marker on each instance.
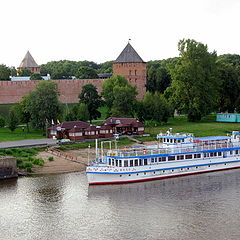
(61, 165)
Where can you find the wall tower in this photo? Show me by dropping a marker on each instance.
(29, 63)
(131, 66)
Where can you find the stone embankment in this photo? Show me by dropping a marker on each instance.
(8, 167)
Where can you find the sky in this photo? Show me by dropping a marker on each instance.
(98, 30)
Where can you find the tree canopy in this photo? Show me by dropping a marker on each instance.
(195, 86)
(43, 104)
(119, 96)
(5, 72)
(89, 96)
(85, 72)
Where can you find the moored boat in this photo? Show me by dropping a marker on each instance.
(174, 155)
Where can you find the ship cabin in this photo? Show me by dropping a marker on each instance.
(175, 140)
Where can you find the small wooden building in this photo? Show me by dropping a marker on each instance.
(92, 132)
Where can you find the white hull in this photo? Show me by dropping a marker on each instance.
(98, 175)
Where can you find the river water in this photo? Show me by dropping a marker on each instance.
(205, 206)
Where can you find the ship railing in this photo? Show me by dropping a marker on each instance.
(179, 149)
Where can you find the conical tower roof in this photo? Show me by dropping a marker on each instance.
(128, 55)
(28, 62)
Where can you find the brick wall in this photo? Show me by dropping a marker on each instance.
(12, 92)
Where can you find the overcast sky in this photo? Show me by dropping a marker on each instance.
(98, 30)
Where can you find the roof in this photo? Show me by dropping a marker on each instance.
(76, 129)
(128, 55)
(93, 128)
(28, 61)
(117, 121)
(213, 138)
(72, 124)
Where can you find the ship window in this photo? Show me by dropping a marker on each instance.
(116, 163)
(180, 157)
(131, 163)
(172, 170)
(163, 159)
(120, 175)
(120, 163)
(140, 162)
(109, 161)
(231, 152)
(197, 155)
(189, 156)
(153, 172)
(137, 174)
(144, 173)
(129, 174)
(145, 161)
(219, 153)
(159, 159)
(208, 165)
(171, 158)
(152, 159)
(112, 162)
(211, 154)
(215, 154)
(163, 171)
(156, 159)
(136, 162)
(236, 151)
(125, 163)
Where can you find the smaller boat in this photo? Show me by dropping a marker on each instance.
(175, 155)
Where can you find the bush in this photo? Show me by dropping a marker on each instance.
(29, 169)
(2, 121)
(50, 159)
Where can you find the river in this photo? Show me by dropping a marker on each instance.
(205, 206)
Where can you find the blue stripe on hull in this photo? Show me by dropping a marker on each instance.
(162, 169)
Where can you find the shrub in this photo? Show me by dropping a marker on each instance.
(50, 159)
(29, 169)
(2, 121)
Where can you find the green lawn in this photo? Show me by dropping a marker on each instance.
(207, 127)
(18, 134)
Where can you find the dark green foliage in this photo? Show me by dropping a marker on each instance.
(35, 76)
(12, 120)
(154, 107)
(5, 72)
(50, 159)
(85, 72)
(78, 113)
(93, 101)
(2, 121)
(105, 67)
(25, 73)
(195, 86)
(43, 104)
(119, 96)
(229, 88)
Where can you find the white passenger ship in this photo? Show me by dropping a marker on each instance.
(174, 155)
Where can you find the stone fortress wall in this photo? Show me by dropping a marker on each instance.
(12, 92)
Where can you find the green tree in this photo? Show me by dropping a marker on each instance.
(93, 101)
(124, 100)
(2, 121)
(72, 115)
(12, 120)
(35, 76)
(21, 111)
(229, 88)
(43, 104)
(83, 113)
(24, 72)
(154, 107)
(195, 85)
(108, 88)
(5, 72)
(85, 72)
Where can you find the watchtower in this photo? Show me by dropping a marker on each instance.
(29, 63)
(131, 66)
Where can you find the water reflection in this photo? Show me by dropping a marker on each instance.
(64, 207)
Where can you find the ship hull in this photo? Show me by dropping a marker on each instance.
(161, 171)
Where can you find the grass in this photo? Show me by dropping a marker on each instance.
(206, 127)
(25, 157)
(18, 134)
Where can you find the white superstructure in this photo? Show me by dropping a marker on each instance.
(174, 155)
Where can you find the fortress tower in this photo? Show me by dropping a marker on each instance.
(131, 66)
(29, 63)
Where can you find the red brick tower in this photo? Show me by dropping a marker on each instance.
(131, 66)
(29, 63)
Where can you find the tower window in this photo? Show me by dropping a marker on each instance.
(130, 72)
(135, 72)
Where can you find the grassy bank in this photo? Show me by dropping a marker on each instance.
(19, 134)
(25, 157)
(206, 127)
